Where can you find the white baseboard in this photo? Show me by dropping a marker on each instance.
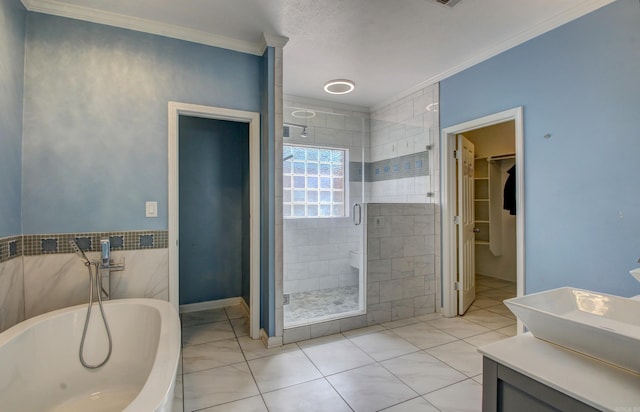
(212, 304)
(244, 305)
(270, 341)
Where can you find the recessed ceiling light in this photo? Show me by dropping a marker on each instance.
(303, 114)
(339, 86)
(433, 107)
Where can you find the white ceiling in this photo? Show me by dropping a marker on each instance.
(388, 47)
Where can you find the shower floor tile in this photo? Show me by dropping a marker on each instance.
(306, 306)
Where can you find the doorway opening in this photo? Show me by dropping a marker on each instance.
(248, 240)
(483, 243)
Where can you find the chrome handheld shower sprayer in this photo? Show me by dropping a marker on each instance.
(98, 286)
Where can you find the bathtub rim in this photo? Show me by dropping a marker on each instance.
(159, 386)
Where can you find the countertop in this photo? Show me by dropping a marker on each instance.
(598, 384)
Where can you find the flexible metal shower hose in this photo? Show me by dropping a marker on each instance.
(86, 322)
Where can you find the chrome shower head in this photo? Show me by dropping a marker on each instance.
(79, 252)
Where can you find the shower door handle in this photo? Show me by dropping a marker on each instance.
(353, 213)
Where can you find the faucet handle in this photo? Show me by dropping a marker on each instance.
(115, 266)
(105, 252)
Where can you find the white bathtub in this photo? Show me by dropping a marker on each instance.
(40, 370)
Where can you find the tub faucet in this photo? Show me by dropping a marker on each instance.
(105, 252)
(106, 266)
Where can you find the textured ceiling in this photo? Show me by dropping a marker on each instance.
(388, 47)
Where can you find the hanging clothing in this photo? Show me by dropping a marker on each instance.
(509, 195)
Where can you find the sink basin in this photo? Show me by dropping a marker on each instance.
(602, 326)
(635, 273)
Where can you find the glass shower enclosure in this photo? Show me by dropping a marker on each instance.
(323, 211)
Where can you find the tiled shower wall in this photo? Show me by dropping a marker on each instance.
(401, 261)
(404, 146)
(316, 251)
(404, 133)
(401, 247)
(46, 275)
(410, 125)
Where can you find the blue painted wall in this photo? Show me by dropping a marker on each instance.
(581, 84)
(12, 35)
(214, 210)
(267, 194)
(95, 130)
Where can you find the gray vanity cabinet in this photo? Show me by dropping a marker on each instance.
(505, 390)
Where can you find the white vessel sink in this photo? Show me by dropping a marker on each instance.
(603, 326)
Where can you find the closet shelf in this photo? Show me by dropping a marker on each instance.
(488, 201)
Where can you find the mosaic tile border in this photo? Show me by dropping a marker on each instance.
(412, 165)
(56, 243)
(10, 248)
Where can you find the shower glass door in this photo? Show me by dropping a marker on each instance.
(323, 210)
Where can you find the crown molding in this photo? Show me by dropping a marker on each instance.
(556, 21)
(57, 8)
(272, 40)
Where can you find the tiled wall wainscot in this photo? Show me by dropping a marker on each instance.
(47, 275)
(11, 282)
(400, 261)
(90, 242)
(61, 280)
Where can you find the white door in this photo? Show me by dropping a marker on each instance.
(466, 221)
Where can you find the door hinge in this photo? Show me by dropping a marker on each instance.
(456, 154)
(456, 286)
(456, 220)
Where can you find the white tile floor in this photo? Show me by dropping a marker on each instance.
(427, 363)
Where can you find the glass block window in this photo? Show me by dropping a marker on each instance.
(314, 181)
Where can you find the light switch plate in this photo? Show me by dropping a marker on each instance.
(151, 209)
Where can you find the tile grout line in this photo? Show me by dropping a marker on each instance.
(228, 320)
(409, 400)
(340, 395)
(433, 356)
(383, 328)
